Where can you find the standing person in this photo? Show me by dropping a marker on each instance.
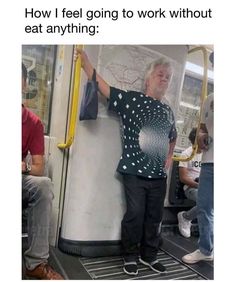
(149, 136)
(37, 190)
(189, 174)
(205, 189)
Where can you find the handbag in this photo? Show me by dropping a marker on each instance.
(89, 103)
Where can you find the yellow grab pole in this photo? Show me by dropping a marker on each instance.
(203, 97)
(74, 105)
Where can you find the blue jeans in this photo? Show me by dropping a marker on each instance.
(141, 225)
(205, 208)
(191, 194)
(38, 192)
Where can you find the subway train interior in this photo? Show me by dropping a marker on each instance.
(81, 157)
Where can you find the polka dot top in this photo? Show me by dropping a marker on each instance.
(148, 128)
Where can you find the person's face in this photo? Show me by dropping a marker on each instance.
(159, 79)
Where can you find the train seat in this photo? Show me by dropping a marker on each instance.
(176, 192)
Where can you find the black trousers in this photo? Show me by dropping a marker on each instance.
(141, 225)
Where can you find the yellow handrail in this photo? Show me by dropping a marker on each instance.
(203, 97)
(74, 105)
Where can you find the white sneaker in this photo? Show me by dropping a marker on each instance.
(184, 225)
(196, 257)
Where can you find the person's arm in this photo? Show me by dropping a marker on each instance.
(103, 87)
(184, 178)
(172, 137)
(202, 137)
(168, 161)
(37, 166)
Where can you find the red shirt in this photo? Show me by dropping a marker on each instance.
(32, 134)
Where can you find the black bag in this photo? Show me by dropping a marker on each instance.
(89, 103)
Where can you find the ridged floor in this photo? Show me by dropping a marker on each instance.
(174, 246)
(111, 268)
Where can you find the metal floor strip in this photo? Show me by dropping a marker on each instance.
(111, 268)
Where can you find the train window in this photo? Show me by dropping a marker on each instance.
(39, 61)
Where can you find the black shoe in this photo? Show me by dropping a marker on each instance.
(154, 265)
(130, 268)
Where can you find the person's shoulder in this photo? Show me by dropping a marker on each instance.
(133, 92)
(115, 89)
(33, 117)
(164, 103)
(128, 94)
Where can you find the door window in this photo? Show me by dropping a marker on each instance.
(39, 61)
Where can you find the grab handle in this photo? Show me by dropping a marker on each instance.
(74, 105)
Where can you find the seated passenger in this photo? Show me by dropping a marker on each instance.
(188, 174)
(37, 190)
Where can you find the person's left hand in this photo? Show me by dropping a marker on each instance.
(168, 163)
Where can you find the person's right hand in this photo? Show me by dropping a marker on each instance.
(80, 52)
(88, 68)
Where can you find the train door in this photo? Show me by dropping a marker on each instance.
(197, 84)
(49, 79)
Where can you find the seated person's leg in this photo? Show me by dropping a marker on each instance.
(40, 196)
